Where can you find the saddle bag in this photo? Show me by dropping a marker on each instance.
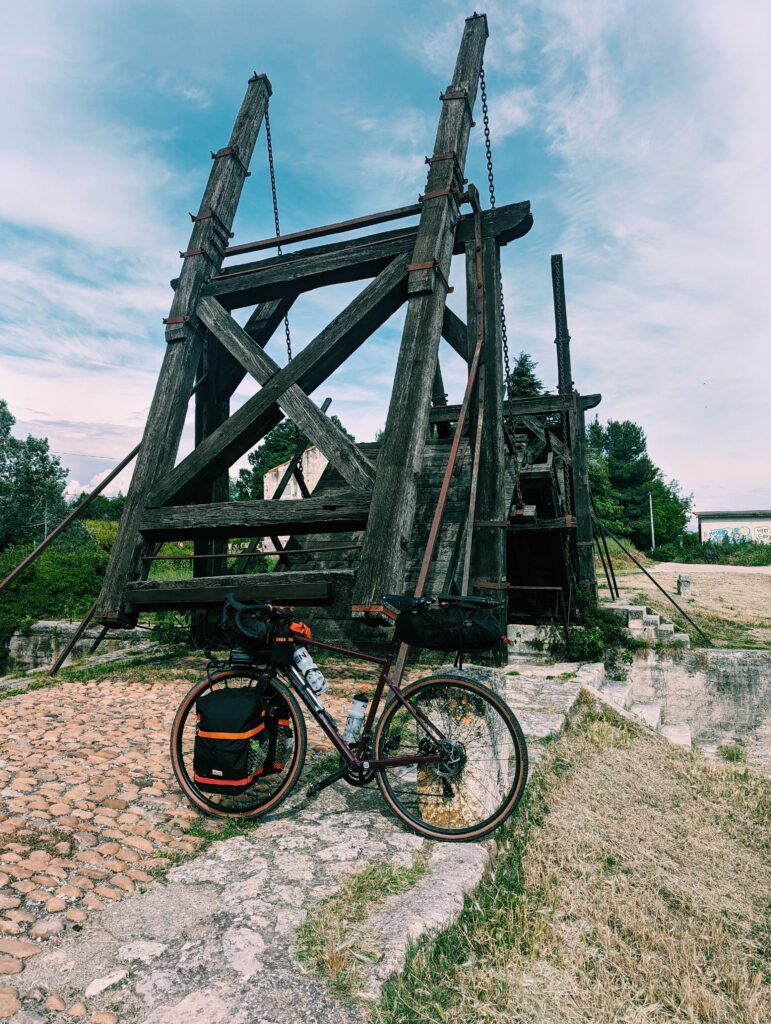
(448, 627)
(228, 741)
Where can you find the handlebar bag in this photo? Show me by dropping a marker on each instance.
(230, 724)
(248, 629)
(448, 627)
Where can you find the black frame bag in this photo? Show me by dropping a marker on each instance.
(228, 721)
(462, 626)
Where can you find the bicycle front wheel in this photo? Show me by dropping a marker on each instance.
(274, 783)
(482, 768)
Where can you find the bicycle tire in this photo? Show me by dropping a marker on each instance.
(238, 808)
(401, 786)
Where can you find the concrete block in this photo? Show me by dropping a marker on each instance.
(617, 694)
(680, 640)
(665, 631)
(650, 620)
(648, 711)
(680, 735)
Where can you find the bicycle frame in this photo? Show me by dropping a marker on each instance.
(356, 758)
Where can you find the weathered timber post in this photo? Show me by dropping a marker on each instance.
(576, 438)
(393, 497)
(211, 410)
(489, 549)
(203, 257)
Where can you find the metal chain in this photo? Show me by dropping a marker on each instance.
(491, 187)
(280, 251)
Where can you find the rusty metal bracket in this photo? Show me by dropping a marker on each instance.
(200, 252)
(169, 320)
(231, 151)
(431, 265)
(490, 585)
(460, 181)
(458, 94)
(211, 215)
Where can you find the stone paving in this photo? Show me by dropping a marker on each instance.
(89, 813)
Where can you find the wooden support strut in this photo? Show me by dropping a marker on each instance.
(286, 386)
(166, 418)
(382, 566)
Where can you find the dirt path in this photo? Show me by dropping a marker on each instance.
(732, 603)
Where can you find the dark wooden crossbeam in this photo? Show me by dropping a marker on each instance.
(330, 513)
(297, 588)
(541, 405)
(393, 498)
(455, 332)
(166, 418)
(308, 370)
(340, 451)
(353, 259)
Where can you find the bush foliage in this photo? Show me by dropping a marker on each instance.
(62, 584)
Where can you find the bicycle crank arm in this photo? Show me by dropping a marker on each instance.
(316, 787)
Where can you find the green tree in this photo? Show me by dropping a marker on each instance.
(622, 475)
(31, 485)
(102, 507)
(523, 381)
(278, 446)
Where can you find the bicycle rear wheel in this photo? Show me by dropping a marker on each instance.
(482, 770)
(270, 788)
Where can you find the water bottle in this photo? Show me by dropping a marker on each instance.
(356, 716)
(308, 668)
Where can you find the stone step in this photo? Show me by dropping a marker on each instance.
(648, 711)
(617, 694)
(680, 640)
(651, 620)
(680, 735)
(665, 631)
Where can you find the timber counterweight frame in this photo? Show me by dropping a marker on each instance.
(208, 354)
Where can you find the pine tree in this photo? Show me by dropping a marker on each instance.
(523, 381)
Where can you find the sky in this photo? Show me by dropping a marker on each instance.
(639, 131)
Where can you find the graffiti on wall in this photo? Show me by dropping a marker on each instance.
(760, 534)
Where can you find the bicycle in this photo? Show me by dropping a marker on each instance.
(447, 752)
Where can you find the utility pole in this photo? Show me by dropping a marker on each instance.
(653, 532)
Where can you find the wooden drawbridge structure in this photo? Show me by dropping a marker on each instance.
(515, 516)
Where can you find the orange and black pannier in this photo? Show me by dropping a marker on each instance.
(229, 736)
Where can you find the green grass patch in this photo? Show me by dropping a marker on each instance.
(332, 940)
(731, 752)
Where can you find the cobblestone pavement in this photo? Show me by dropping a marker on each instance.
(89, 814)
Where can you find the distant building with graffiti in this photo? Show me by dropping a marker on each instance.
(735, 526)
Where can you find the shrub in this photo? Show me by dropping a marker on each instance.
(601, 636)
(62, 583)
(690, 549)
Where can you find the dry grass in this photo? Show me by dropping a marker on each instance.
(634, 886)
(334, 938)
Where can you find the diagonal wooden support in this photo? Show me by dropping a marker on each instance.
(211, 231)
(311, 367)
(342, 453)
(260, 327)
(383, 558)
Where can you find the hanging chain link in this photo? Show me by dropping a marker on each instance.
(518, 453)
(491, 188)
(280, 251)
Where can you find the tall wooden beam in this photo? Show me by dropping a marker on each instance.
(393, 499)
(308, 369)
(561, 333)
(209, 237)
(489, 550)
